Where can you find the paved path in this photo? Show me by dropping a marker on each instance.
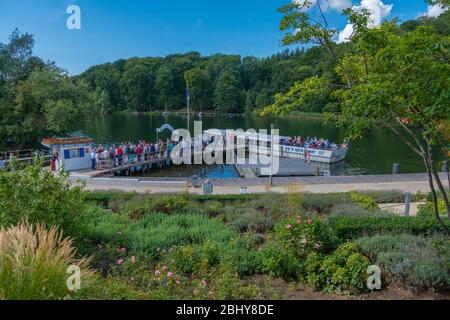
(401, 182)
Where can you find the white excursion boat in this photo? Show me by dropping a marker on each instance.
(258, 143)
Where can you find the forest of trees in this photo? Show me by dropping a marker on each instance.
(224, 83)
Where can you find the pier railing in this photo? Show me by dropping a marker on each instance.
(25, 156)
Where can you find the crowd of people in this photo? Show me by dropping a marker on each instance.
(124, 153)
(310, 143)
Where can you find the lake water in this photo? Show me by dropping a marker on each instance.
(373, 154)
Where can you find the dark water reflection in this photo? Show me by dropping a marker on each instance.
(373, 154)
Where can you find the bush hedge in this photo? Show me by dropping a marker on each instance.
(418, 262)
(351, 228)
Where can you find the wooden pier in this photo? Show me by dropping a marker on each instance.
(109, 167)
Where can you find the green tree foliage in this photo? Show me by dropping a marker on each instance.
(165, 85)
(137, 85)
(227, 92)
(254, 80)
(37, 99)
(38, 196)
(389, 77)
(200, 88)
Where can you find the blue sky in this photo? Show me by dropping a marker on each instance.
(114, 29)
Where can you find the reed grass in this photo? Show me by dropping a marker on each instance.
(34, 263)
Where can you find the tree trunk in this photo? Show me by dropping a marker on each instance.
(435, 201)
(438, 180)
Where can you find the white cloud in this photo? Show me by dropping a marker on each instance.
(378, 11)
(345, 34)
(433, 11)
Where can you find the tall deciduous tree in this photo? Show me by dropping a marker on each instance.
(397, 80)
(36, 98)
(48, 103)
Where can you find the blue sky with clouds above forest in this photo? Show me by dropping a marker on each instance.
(114, 29)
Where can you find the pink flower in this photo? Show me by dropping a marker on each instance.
(289, 226)
(169, 274)
(204, 283)
(178, 282)
(299, 221)
(157, 273)
(133, 259)
(120, 262)
(309, 221)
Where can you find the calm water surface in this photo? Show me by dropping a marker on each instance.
(373, 154)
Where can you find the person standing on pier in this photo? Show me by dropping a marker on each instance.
(119, 155)
(93, 161)
(53, 160)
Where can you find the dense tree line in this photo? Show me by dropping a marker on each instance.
(225, 83)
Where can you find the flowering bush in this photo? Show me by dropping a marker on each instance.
(304, 236)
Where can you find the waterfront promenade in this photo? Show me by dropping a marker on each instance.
(401, 182)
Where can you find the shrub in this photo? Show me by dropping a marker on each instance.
(343, 271)
(226, 285)
(170, 204)
(33, 263)
(364, 201)
(105, 198)
(199, 259)
(352, 228)
(213, 208)
(322, 203)
(392, 196)
(295, 240)
(37, 195)
(157, 232)
(245, 220)
(427, 209)
(224, 198)
(356, 211)
(410, 260)
(279, 262)
(304, 237)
